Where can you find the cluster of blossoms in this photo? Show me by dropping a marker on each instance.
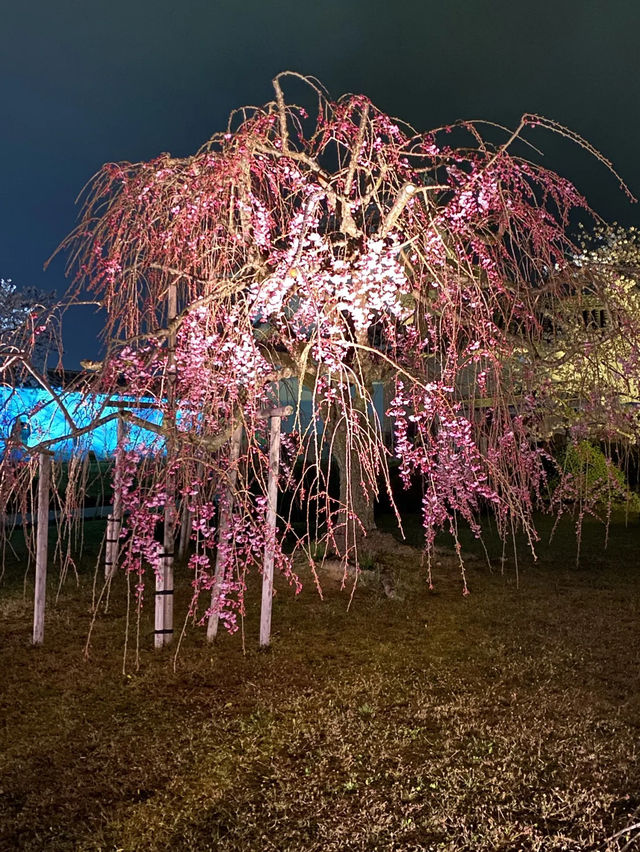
(209, 348)
(455, 474)
(240, 547)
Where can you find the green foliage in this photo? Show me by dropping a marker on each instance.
(590, 475)
(318, 550)
(366, 561)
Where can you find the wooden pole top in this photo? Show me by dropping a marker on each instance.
(281, 411)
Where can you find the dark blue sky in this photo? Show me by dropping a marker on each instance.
(85, 82)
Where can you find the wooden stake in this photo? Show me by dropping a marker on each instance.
(42, 536)
(269, 551)
(114, 521)
(164, 577)
(223, 527)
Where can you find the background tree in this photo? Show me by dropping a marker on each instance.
(590, 349)
(590, 357)
(27, 330)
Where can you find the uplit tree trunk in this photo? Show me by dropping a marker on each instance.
(357, 492)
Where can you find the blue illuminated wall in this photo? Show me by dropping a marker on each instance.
(43, 420)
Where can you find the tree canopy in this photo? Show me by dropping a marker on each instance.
(337, 247)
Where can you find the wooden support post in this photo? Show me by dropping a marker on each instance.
(163, 633)
(185, 529)
(114, 520)
(168, 560)
(223, 526)
(42, 537)
(108, 546)
(164, 585)
(269, 551)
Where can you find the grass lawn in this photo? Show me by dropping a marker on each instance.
(505, 720)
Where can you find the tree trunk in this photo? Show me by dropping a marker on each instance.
(355, 520)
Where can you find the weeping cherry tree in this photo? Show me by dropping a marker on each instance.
(337, 249)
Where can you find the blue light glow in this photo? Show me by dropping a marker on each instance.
(40, 418)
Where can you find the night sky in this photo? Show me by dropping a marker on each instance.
(82, 83)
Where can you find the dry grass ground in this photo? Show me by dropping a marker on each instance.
(506, 720)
